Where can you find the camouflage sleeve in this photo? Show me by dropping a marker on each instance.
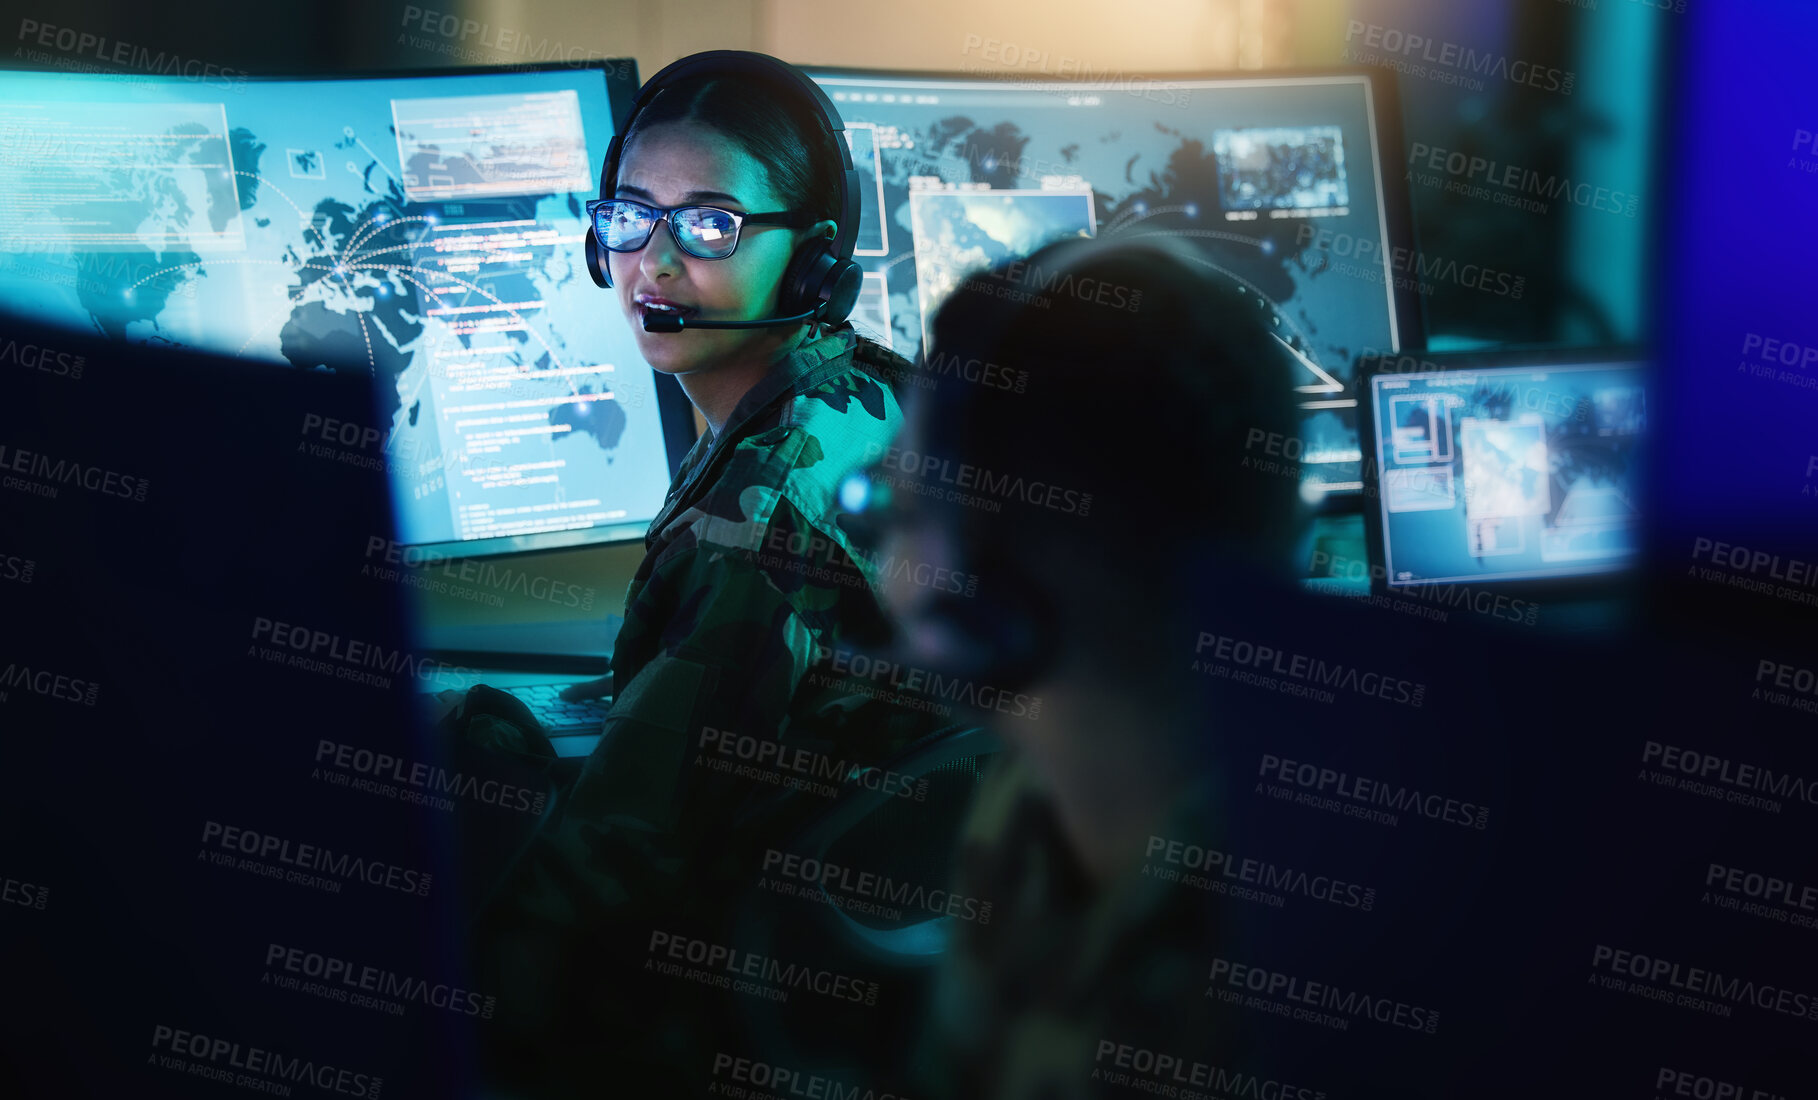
(646, 839)
(737, 635)
(736, 642)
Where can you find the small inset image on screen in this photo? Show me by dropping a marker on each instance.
(463, 147)
(871, 313)
(873, 232)
(1422, 431)
(1505, 467)
(958, 233)
(1286, 171)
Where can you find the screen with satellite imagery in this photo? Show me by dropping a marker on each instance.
(427, 228)
(1510, 472)
(963, 173)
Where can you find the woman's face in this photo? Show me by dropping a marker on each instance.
(681, 163)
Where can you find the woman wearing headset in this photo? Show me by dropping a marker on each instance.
(728, 186)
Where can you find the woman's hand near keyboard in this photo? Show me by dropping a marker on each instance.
(588, 689)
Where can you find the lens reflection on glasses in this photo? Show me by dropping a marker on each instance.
(701, 231)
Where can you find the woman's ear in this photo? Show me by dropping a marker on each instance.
(826, 227)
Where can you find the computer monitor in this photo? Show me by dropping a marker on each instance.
(1515, 467)
(425, 227)
(1279, 178)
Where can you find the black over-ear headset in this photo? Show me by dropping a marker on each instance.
(821, 283)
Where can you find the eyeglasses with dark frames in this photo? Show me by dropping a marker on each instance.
(704, 232)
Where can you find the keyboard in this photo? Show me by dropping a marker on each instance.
(561, 718)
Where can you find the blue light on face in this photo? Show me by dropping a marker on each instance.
(855, 492)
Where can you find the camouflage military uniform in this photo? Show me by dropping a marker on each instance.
(747, 581)
(1034, 1005)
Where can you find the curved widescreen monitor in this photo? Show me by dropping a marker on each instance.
(1288, 181)
(426, 227)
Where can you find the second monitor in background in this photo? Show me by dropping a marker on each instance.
(1280, 180)
(1506, 468)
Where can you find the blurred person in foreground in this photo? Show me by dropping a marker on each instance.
(1110, 515)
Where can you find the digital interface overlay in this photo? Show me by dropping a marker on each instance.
(1263, 174)
(429, 227)
(1509, 473)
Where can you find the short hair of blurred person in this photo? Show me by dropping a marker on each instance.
(1148, 370)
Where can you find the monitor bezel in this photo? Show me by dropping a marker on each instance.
(1384, 89)
(620, 75)
(1545, 589)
